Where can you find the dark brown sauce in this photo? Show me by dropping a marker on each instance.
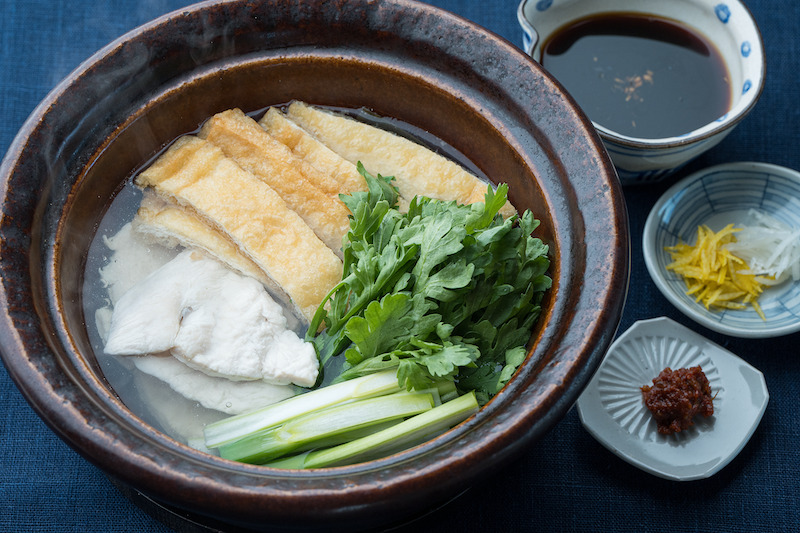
(640, 75)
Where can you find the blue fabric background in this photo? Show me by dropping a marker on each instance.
(565, 482)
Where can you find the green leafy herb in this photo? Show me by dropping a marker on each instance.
(439, 301)
(444, 291)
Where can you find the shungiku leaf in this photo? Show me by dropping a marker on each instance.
(418, 284)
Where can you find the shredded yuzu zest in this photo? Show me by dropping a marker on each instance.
(713, 275)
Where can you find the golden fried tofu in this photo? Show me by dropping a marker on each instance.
(197, 175)
(171, 224)
(417, 170)
(302, 143)
(252, 148)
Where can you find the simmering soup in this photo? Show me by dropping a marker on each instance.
(228, 277)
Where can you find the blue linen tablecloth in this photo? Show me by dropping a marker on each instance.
(566, 481)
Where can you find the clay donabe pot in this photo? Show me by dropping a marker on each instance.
(400, 59)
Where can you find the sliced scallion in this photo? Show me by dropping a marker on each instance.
(237, 427)
(325, 425)
(395, 438)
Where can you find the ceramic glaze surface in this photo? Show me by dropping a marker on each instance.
(123, 105)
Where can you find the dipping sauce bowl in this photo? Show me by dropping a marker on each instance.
(726, 25)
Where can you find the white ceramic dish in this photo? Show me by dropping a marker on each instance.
(728, 24)
(612, 410)
(717, 196)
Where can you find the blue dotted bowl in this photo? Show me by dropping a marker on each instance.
(728, 24)
(715, 197)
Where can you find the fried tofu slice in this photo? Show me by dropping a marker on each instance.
(170, 224)
(417, 170)
(302, 143)
(252, 148)
(197, 175)
(318, 154)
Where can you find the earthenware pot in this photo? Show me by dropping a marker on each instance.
(398, 58)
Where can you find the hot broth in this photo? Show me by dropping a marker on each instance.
(147, 396)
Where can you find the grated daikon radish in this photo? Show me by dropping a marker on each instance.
(770, 248)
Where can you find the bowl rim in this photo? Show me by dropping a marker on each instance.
(73, 427)
(648, 248)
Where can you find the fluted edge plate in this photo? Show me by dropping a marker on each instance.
(612, 410)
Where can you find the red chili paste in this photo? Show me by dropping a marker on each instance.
(676, 397)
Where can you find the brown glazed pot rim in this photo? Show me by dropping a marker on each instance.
(462, 64)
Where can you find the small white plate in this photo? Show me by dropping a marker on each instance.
(612, 410)
(716, 197)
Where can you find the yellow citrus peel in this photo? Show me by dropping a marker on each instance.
(713, 275)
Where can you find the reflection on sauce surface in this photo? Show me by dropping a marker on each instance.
(640, 75)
